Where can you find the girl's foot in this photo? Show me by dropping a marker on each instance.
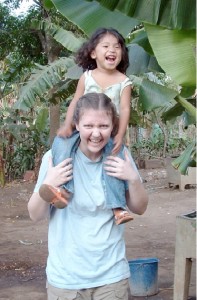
(58, 197)
(121, 216)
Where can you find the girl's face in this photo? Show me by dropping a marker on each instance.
(95, 127)
(108, 52)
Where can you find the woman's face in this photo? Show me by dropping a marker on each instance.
(95, 127)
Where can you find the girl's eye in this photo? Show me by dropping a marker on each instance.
(88, 126)
(104, 126)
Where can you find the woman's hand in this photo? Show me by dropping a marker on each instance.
(56, 176)
(59, 174)
(136, 196)
(121, 169)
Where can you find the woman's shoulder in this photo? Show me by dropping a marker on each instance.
(46, 156)
(43, 169)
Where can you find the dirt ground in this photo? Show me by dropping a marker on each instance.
(23, 244)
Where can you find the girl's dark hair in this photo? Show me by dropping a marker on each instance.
(83, 56)
(96, 101)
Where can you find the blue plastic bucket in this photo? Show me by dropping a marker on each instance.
(143, 280)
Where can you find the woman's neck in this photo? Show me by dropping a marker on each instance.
(95, 157)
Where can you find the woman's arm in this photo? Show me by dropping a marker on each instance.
(136, 196)
(56, 176)
(38, 208)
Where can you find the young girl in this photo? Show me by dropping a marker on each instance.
(104, 59)
(86, 250)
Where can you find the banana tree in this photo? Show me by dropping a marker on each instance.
(166, 40)
(56, 79)
(49, 83)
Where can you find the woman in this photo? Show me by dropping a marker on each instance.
(86, 249)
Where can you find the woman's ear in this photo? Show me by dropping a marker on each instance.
(77, 126)
(115, 126)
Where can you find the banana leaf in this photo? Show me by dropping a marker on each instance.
(90, 15)
(175, 53)
(43, 78)
(174, 14)
(186, 159)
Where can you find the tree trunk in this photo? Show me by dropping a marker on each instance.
(165, 134)
(2, 172)
(54, 110)
(54, 115)
(52, 49)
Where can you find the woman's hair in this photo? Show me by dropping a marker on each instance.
(83, 56)
(97, 101)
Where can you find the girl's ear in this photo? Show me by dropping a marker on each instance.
(93, 55)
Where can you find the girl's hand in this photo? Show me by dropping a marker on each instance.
(59, 174)
(65, 131)
(121, 169)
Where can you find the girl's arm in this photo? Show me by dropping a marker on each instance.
(136, 196)
(56, 176)
(124, 118)
(66, 129)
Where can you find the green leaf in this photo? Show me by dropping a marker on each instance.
(147, 63)
(188, 120)
(91, 15)
(183, 14)
(140, 37)
(176, 111)
(62, 36)
(48, 4)
(174, 14)
(75, 72)
(135, 118)
(173, 112)
(153, 95)
(186, 159)
(191, 109)
(42, 119)
(187, 91)
(67, 89)
(41, 81)
(175, 52)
